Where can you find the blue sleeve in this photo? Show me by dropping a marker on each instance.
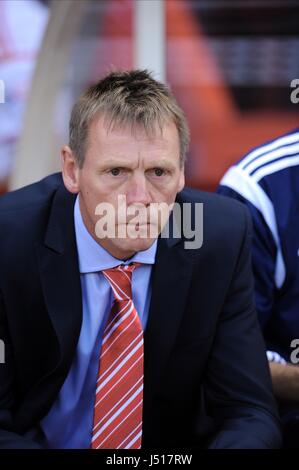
(264, 252)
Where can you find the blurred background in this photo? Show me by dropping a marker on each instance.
(230, 64)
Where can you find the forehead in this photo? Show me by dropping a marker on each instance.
(122, 137)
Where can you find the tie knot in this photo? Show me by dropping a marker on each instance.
(120, 280)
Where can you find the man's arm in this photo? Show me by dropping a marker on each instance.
(8, 438)
(238, 385)
(285, 377)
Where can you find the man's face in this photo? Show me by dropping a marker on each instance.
(141, 169)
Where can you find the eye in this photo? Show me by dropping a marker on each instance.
(159, 172)
(115, 171)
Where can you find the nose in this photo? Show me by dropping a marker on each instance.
(137, 192)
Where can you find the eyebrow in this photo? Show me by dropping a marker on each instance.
(152, 163)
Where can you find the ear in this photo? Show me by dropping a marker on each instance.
(70, 170)
(181, 180)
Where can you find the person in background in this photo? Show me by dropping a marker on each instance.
(266, 180)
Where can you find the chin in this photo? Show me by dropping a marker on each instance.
(130, 247)
(139, 244)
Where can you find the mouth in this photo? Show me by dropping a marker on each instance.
(136, 224)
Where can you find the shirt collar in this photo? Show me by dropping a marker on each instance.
(93, 257)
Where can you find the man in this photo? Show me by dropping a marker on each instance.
(266, 180)
(131, 341)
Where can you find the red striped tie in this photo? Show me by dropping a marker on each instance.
(117, 420)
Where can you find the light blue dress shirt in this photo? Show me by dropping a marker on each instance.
(69, 422)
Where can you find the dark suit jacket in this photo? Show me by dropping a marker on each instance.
(206, 376)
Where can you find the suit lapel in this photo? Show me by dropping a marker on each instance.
(59, 273)
(170, 283)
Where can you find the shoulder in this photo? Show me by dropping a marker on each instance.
(264, 170)
(30, 197)
(24, 214)
(220, 235)
(224, 219)
(215, 205)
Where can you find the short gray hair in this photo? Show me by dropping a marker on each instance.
(129, 97)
